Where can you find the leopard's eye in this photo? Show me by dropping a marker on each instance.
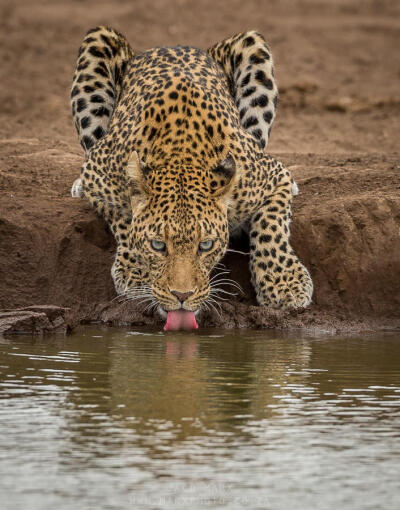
(206, 245)
(158, 245)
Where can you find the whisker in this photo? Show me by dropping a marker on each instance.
(134, 294)
(144, 288)
(205, 306)
(142, 302)
(215, 304)
(220, 265)
(211, 300)
(224, 281)
(219, 297)
(139, 292)
(213, 307)
(219, 274)
(217, 290)
(150, 306)
(120, 296)
(237, 251)
(139, 300)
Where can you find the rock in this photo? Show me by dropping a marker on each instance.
(36, 320)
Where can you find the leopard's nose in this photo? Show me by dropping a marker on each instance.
(182, 296)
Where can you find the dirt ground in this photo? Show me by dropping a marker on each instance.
(337, 128)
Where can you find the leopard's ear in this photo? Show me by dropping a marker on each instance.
(224, 177)
(137, 172)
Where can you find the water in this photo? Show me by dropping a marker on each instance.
(115, 419)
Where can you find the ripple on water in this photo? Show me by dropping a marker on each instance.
(120, 419)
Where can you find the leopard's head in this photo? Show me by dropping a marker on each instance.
(179, 231)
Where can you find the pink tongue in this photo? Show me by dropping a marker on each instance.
(180, 319)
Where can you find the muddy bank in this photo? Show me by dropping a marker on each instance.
(54, 250)
(337, 129)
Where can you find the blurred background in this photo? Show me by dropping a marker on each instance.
(337, 62)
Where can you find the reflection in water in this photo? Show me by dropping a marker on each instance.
(119, 419)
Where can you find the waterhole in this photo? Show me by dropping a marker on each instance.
(120, 419)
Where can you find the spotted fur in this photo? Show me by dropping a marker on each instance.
(248, 64)
(177, 163)
(96, 85)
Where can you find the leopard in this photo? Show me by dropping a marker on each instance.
(175, 142)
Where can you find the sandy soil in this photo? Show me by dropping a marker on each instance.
(337, 128)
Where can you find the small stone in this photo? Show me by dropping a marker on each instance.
(35, 320)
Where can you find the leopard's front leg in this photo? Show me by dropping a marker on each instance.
(279, 278)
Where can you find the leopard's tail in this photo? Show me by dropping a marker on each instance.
(96, 86)
(247, 62)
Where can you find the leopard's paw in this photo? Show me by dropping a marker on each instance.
(291, 288)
